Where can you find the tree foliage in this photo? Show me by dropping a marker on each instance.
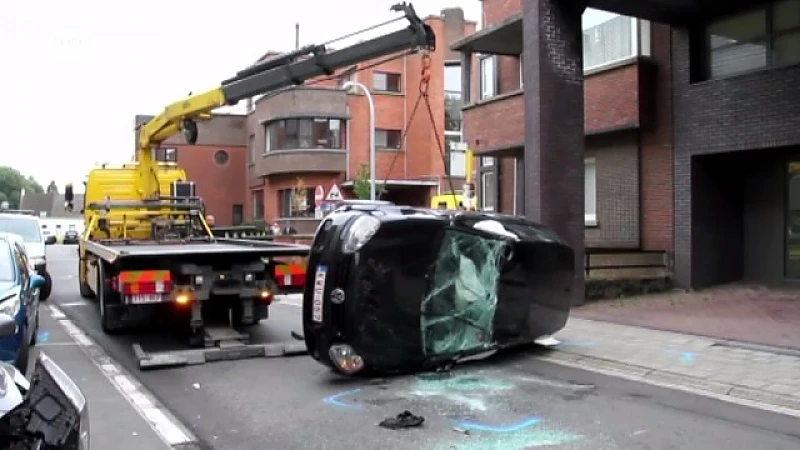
(12, 182)
(362, 184)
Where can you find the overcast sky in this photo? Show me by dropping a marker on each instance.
(74, 73)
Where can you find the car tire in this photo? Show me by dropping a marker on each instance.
(47, 289)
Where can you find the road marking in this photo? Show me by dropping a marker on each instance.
(70, 304)
(169, 429)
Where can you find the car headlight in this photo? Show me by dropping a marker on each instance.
(346, 359)
(359, 233)
(10, 305)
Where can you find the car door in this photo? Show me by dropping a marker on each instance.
(26, 293)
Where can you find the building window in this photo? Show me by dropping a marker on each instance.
(488, 81)
(168, 154)
(298, 134)
(521, 72)
(258, 205)
(386, 82)
(388, 139)
(221, 157)
(759, 39)
(296, 202)
(609, 38)
(452, 97)
(590, 192)
(251, 149)
(456, 155)
(488, 185)
(237, 214)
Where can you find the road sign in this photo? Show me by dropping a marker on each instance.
(319, 195)
(334, 194)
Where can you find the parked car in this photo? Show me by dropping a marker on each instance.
(48, 411)
(19, 299)
(397, 288)
(28, 227)
(70, 236)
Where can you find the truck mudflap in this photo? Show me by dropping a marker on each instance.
(228, 345)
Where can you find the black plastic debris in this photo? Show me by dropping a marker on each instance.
(403, 420)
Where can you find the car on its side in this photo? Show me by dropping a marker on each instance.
(29, 228)
(400, 289)
(19, 299)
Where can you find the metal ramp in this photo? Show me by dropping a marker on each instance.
(218, 344)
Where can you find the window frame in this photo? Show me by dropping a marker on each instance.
(488, 171)
(258, 204)
(590, 199)
(302, 138)
(771, 35)
(482, 92)
(640, 40)
(389, 76)
(288, 194)
(387, 147)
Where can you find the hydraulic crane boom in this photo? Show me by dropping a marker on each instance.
(290, 69)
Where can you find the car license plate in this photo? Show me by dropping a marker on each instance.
(319, 293)
(144, 299)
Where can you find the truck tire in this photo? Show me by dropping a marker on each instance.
(108, 322)
(84, 288)
(47, 289)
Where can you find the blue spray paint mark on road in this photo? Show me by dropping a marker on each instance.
(43, 336)
(567, 344)
(684, 356)
(477, 426)
(334, 400)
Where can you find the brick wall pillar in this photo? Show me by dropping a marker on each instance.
(554, 128)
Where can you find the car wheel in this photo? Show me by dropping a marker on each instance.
(44, 291)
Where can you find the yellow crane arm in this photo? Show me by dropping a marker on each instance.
(290, 69)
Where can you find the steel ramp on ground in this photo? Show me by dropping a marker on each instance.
(221, 344)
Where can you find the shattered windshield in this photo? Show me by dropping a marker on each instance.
(458, 312)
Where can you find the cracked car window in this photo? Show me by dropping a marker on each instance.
(458, 312)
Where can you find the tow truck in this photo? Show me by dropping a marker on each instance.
(147, 250)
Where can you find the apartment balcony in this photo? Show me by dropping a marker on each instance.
(496, 124)
(281, 162)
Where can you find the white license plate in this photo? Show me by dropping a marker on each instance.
(145, 299)
(319, 293)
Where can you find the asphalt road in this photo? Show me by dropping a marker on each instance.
(511, 402)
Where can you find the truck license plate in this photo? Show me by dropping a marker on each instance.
(319, 293)
(144, 299)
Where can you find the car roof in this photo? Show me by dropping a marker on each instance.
(12, 237)
(12, 216)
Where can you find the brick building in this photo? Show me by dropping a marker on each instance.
(249, 167)
(216, 163)
(733, 81)
(627, 124)
(319, 134)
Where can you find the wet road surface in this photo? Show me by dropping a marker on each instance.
(513, 402)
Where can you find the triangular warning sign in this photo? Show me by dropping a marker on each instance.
(334, 194)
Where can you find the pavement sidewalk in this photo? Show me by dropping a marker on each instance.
(115, 421)
(702, 365)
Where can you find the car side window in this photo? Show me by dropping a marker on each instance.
(22, 264)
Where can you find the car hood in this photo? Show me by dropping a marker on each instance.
(6, 286)
(35, 249)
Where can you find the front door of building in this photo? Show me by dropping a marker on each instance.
(793, 220)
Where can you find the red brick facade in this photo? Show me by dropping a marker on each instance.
(627, 109)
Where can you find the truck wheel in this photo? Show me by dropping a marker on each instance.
(107, 321)
(44, 291)
(85, 290)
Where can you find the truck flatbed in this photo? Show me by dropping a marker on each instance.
(112, 251)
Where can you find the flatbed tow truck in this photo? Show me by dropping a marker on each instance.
(145, 255)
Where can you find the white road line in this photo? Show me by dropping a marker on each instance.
(70, 304)
(169, 429)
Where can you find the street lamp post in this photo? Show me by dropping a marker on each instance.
(349, 85)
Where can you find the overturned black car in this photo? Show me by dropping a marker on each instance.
(397, 289)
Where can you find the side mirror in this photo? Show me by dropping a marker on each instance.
(37, 281)
(8, 327)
